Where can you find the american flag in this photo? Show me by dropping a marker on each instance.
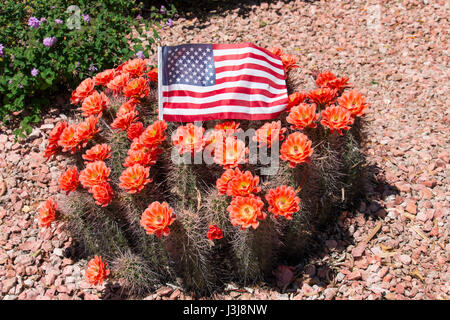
(200, 82)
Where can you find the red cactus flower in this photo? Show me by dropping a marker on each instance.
(104, 77)
(330, 80)
(53, 139)
(127, 107)
(118, 83)
(95, 173)
(230, 153)
(102, 193)
(135, 67)
(68, 181)
(244, 212)
(86, 130)
(189, 138)
(135, 130)
(153, 75)
(276, 51)
(137, 88)
(224, 180)
(68, 139)
(269, 133)
(97, 152)
(322, 96)
(214, 232)
(47, 213)
(157, 218)
(134, 178)
(243, 184)
(84, 90)
(283, 201)
(289, 62)
(94, 104)
(296, 149)
(96, 271)
(137, 157)
(295, 99)
(354, 102)
(124, 121)
(303, 116)
(337, 118)
(154, 134)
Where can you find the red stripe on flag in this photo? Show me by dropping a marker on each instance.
(243, 45)
(224, 102)
(246, 55)
(245, 90)
(247, 77)
(249, 66)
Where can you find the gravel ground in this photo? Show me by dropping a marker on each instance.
(395, 246)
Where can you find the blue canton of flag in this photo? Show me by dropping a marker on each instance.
(191, 64)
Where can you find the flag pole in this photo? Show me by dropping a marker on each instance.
(160, 95)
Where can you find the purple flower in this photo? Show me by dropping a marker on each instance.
(48, 42)
(58, 21)
(162, 10)
(43, 20)
(2, 53)
(170, 22)
(34, 22)
(140, 55)
(86, 18)
(92, 68)
(139, 17)
(34, 72)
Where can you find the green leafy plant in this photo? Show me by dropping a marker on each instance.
(49, 45)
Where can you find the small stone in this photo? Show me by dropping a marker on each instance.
(358, 251)
(405, 259)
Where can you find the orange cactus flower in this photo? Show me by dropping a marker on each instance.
(135, 130)
(102, 193)
(104, 77)
(276, 51)
(296, 149)
(154, 134)
(68, 181)
(124, 121)
(86, 130)
(289, 62)
(214, 232)
(153, 75)
(337, 118)
(137, 88)
(230, 153)
(303, 116)
(97, 152)
(96, 271)
(330, 80)
(228, 127)
(118, 83)
(127, 107)
(94, 104)
(269, 133)
(157, 218)
(47, 213)
(322, 96)
(134, 178)
(224, 180)
(243, 184)
(137, 157)
(135, 67)
(295, 99)
(53, 139)
(283, 201)
(244, 212)
(84, 90)
(69, 138)
(95, 173)
(354, 102)
(189, 138)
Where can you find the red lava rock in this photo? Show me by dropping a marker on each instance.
(355, 275)
(49, 279)
(359, 250)
(175, 294)
(411, 207)
(404, 258)
(8, 284)
(399, 288)
(164, 291)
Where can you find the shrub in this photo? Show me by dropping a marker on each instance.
(46, 45)
(160, 214)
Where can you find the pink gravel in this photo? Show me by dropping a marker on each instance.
(396, 54)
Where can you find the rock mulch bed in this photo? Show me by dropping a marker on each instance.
(394, 246)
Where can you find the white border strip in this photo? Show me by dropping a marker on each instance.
(160, 86)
